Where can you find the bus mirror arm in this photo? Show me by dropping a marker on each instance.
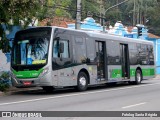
(60, 57)
(61, 48)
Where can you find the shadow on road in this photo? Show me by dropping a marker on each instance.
(40, 91)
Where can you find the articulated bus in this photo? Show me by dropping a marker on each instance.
(53, 57)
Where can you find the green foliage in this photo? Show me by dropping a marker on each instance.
(4, 43)
(144, 10)
(4, 87)
(17, 10)
(56, 8)
(147, 9)
(4, 81)
(154, 21)
(5, 75)
(13, 12)
(114, 16)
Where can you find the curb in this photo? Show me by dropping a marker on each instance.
(14, 89)
(1, 93)
(156, 77)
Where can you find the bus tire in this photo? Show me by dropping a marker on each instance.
(82, 82)
(48, 89)
(138, 77)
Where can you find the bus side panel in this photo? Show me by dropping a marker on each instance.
(67, 71)
(67, 77)
(114, 73)
(91, 55)
(141, 57)
(133, 59)
(114, 61)
(148, 72)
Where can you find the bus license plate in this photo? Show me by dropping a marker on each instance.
(27, 83)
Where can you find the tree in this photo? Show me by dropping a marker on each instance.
(144, 12)
(13, 12)
(140, 9)
(154, 21)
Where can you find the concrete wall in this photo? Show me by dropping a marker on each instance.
(5, 58)
(4, 65)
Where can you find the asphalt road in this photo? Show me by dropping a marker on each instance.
(121, 97)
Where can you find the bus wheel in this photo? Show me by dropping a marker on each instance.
(82, 82)
(48, 89)
(138, 77)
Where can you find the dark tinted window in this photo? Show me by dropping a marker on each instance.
(61, 52)
(151, 55)
(79, 49)
(145, 54)
(30, 48)
(133, 53)
(113, 53)
(65, 53)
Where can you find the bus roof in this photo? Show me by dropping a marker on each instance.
(116, 37)
(97, 34)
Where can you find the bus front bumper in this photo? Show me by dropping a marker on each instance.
(32, 82)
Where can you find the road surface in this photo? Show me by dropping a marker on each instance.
(121, 97)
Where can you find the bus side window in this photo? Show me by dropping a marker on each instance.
(151, 55)
(65, 53)
(56, 45)
(55, 49)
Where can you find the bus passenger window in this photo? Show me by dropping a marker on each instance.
(65, 54)
(56, 45)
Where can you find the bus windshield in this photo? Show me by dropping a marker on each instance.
(31, 47)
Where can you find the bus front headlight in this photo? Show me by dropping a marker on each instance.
(12, 74)
(44, 72)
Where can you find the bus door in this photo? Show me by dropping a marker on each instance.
(125, 61)
(100, 55)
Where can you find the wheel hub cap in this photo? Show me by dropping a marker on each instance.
(82, 81)
(138, 77)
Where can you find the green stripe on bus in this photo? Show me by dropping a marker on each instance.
(117, 73)
(27, 74)
(132, 72)
(148, 72)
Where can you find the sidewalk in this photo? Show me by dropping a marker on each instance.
(1, 93)
(157, 77)
(14, 89)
